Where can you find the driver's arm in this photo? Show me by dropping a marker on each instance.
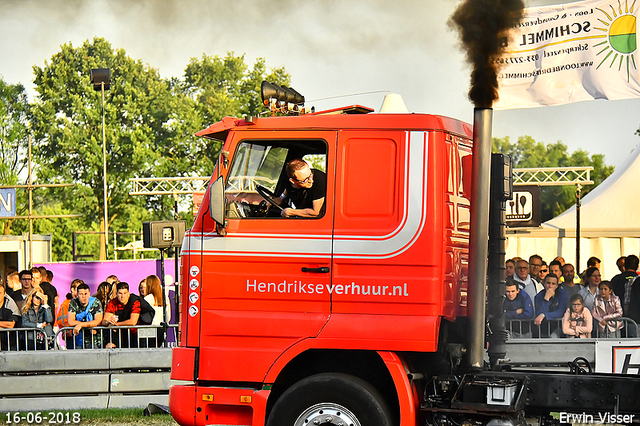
(314, 211)
(280, 200)
(246, 197)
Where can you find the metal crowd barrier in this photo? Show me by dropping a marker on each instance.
(526, 329)
(25, 339)
(139, 336)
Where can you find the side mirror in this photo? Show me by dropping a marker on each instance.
(217, 201)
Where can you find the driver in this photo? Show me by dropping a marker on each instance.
(305, 190)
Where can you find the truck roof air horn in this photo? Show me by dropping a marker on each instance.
(282, 99)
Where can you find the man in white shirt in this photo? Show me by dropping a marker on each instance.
(524, 280)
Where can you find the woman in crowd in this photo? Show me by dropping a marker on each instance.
(36, 313)
(142, 288)
(590, 290)
(154, 297)
(103, 293)
(113, 282)
(577, 321)
(52, 296)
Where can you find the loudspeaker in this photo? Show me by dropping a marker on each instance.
(163, 234)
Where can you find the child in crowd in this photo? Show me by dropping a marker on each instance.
(577, 321)
(607, 306)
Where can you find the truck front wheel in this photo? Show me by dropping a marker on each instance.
(330, 399)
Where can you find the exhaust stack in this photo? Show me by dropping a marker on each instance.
(479, 235)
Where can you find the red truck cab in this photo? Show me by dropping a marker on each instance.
(300, 320)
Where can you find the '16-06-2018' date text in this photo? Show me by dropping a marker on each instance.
(43, 417)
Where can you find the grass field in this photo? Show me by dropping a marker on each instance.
(129, 416)
(112, 417)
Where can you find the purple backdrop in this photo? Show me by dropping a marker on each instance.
(93, 273)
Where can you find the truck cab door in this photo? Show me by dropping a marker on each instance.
(265, 282)
(386, 261)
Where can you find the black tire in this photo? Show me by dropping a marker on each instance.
(332, 398)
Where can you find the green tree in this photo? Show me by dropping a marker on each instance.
(222, 87)
(67, 126)
(527, 153)
(14, 125)
(150, 127)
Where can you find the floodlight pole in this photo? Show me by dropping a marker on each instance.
(104, 173)
(30, 183)
(165, 323)
(101, 80)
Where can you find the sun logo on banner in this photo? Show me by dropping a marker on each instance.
(620, 27)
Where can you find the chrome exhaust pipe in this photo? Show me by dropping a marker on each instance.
(479, 233)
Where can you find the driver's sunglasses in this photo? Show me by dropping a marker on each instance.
(307, 179)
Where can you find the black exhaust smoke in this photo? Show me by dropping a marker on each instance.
(483, 26)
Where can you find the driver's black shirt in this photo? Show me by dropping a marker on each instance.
(303, 198)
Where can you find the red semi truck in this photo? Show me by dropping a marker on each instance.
(357, 316)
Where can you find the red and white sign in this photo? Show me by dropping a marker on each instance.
(618, 356)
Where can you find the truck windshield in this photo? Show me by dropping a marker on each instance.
(255, 164)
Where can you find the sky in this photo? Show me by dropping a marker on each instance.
(350, 51)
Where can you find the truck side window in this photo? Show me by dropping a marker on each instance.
(317, 161)
(258, 185)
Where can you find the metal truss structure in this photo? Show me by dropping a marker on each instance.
(168, 185)
(543, 176)
(552, 176)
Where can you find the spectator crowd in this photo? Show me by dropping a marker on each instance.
(551, 300)
(542, 300)
(105, 319)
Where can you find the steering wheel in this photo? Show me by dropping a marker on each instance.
(268, 196)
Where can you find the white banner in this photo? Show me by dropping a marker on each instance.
(570, 53)
(618, 356)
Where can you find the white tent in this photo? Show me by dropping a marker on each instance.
(609, 224)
